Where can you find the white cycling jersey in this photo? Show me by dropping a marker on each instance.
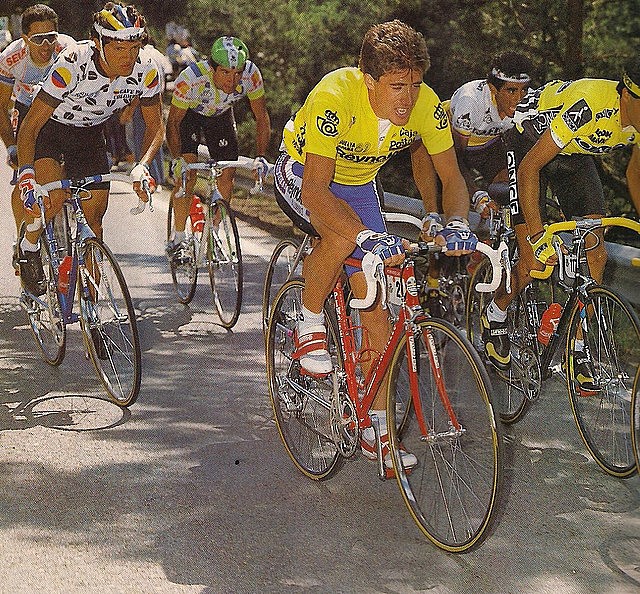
(474, 113)
(87, 97)
(18, 70)
(194, 89)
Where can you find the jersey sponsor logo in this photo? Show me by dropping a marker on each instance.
(597, 150)
(440, 114)
(541, 121)
(577, 115)
(14, 58)
(398, 145)
(606, 113)
(328, 124)
(61, 77)
(600, 136)
(152, 79)
(514, 205)
(368, 159)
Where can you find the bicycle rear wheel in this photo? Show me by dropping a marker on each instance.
(635, 419)
(453, 492)
(108, 323)
(611, 332)
(45, 314)
(279, 271)
(301, 404)
(184, 274)
(225, 264)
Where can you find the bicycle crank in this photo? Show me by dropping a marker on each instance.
(345, 427)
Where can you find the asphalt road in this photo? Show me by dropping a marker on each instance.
(191, 491)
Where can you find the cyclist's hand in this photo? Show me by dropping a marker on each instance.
(176, 167)
(142, 181)
(388, 247)
(261, 167)
(30, 191)
(431, 225)
(12, 156)
(457, 237)
(482, 203)
(544, 248)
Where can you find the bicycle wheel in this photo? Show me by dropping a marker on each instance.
(476, 303)
(301, 404)
(611, 332)
(108, 323)
(225, 264)
(452, 494)
(635, 419)
(185, 274)
(279, 271)
(45, 315)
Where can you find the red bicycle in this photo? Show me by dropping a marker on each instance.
(438, 403)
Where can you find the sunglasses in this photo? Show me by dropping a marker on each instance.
(41, 38)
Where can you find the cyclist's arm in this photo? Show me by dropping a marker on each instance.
(176, 115)
(6, 131)
(263, 125)
(424, 175)
(325, 208)
(633, 176)
(39, 113)
(538, 156)
(154, 128)
(455, 197)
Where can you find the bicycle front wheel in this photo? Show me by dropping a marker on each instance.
(185, 272)
(108, 323)
(635, 418)
(279, 271)
(442, 413)
(225, 264)
(45, 315)
(610, 330)
(301, 404)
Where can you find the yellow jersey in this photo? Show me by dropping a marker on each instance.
(337, 121)
(583, 115)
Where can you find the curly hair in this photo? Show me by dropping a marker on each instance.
(36, 14)
(393, 46)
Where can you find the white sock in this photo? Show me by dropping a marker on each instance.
(578, 345)
(27, 246)
(495, 314)
(178, 237)
(310, 322)
(382, 420)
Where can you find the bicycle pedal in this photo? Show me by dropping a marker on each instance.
(303, 371)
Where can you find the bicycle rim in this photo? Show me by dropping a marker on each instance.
(476, 303)
(635, 418)
(453, 492)
(611, 332)
(185, 276)
(108, 324)
(225, 265)
(301, 404)
(45, 315)
(279, 271)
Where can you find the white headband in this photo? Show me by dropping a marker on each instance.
(518, 78)
(127, 34)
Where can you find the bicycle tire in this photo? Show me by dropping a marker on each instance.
(184, 276)
(279, 270)
(301, 404)
(454, 491)
(46, 320)
(635, 419)
(224, 257)
(612, 338)
(108, 323)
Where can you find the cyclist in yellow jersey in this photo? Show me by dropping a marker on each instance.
(559, 128)
(351, 123)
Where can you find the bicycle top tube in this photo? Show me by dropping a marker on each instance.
(583, 225)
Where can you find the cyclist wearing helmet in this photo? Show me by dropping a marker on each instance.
(559, 129)
(481, 111)
(23, 64)
(62, 133)
(202, 106)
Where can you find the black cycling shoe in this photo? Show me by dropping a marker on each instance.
(179, 253)
(583, 372)
(497, 344)
(31, 272)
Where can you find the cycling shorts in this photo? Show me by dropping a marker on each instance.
(365, 200)
(488, 159)
(218, 133)
(82, 150)
(573, 179)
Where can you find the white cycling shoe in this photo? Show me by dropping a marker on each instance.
(311, 350)
(370, 451)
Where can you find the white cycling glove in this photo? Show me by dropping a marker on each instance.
(140, 173)
(432, 224)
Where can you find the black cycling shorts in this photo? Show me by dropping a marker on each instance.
(488, 160)
(218, 133)
(82, 151)
(573, 179)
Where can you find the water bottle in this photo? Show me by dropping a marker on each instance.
(64, 272)
(549, 322)
(197, 215)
